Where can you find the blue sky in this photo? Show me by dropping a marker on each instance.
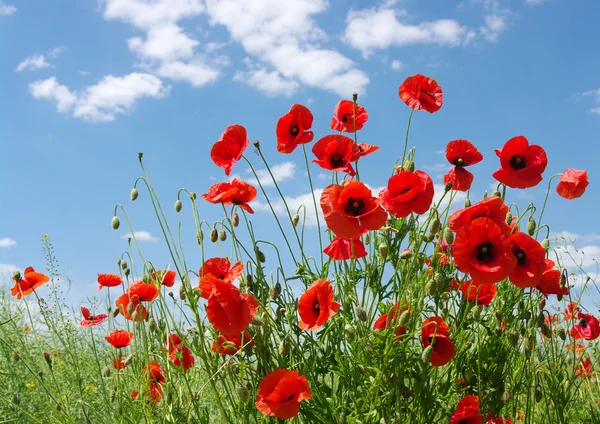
(86, 85)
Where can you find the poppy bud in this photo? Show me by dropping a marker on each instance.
(242, 391)
(222, 235)
(350, 332)
(360, 368)
(283, 347)
(383, 249)
(199, 236)
(214, 235)
(542, 304)
(476, 312)
(448, 235)
(258, 321)
(426, 355)
(467, 374)
(152, 324)
(513, 338)
(367, 238)
(531, 226)
(546, 331)
(178, 205)
(406, 254)
(361, 314)
(538, 395)
(546, 244)
(430, 289)
(126, 271)
(115, 223)
(562, 333)
(499, 314)
(562, 282)
(260, 255)
(404, 318)
(509, 218)
(171, 295)
(428, 238)
(129, 359)
(235, 219)
(485, 194)
(115, 313)
(295, 220)
(440, 281)
(134, 194)
(467, 203)
(140, 155)
(275, 291)
(506, 398)
(409, 165)
(146, 279)
(447, 187)
(256, 144)
(354, 97)
(48, 359)
(123, 264)
(250, 281)
(496, 193)
(435, 226)
(539, 321)
(182, 292)
(105, 372)
(559, 297)
(16, 276)
(134, 316)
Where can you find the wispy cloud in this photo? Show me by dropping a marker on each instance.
(7, 9)
(281, 172)
(7, 270)
(7, 242)
(141, 236)
(594, 95)
(38, 61)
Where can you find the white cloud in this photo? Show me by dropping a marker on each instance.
(141, 236)
(269, 83)
(573, 255)
(145, 14)
(284, 35)
(7, 9)
(494, 26)
(194, 72)
(7, 242)
(56, 51)
(294, 202)
(397, 65)
(535, 2)
(165, 42)
(32, 63)
(281, 172)
(103, 101)
(7, 270)
(379, 28)
(595, 95)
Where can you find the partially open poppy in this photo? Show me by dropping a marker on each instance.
(109, 280)
(345, 115)
(119, 338)
(336, 153)
(146, 292)
(154, 373)
(280, 392)
(459, 179)
(131, 307)
(90, 320)
(490, 207)
(349, 210)
(467, 411)
(316, 305)
(407, 192)
(530, 256)
(179, 353)
(230, 147)
(461, 153)
(435, 333)
(293, 129)
(236, 192)
(166, 278)
(480, 294)
(31, 281)
(421, 93)
(481, 250)
(230, 345)
(521, 164)
(550, 283)
(229, 311)
(572, 184)
(343, 249)
(217, 269)
(588, 327)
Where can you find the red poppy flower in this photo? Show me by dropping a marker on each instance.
(336, 153)
(385, 320)
(572, 184)
(236, 192)
(571, 310)
(421, 93)
(407, 192)
(217, 269)
(366, 149)
(467, 411)
(230, 147)
(435, 332)
(345, 116)
(461, 153)
(293, 129)
(550, 283)
(109, 280)
(154, 373)
(530, 256)
(230, 345)
(119, 338)
(342, 249)
(316, 305)
(481, 250)
(499, 420)
(146, 292)
(279, 393)
(459, 178)
(179, 352)
(119, 364)
(91, 320)
(588, 327)
(131, 307)
(480, 294)
(350, 210)
(521, 164)
(490, 207)
(26, 286)
(166, 278)
(229, 311)
(585, 368)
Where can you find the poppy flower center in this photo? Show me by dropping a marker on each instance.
(221, 277)
(583, 323)
(316, 306)
(518, 162)
(427, 93)
(459, 162)
(346, 117)
(294, 130)
(521, 256)
(485, 252)
(431, 340)
(290, 397)
(354, 206)
(337, 160)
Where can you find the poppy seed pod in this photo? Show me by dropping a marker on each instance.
(126, 271)
(485, 194)
(447, 187)
(235, 219)
(383, 248)
(355, 97)
(546, 244)
(426, 355)
(134, 194)
(467, 203)
(496, 193)
(178, 205)
(295, 220)
(115, 223)
(531, 226)
(361, 314)
(140, 155)
(214, 235)
(222, 235)
(448, 235)
(16, 276)
(256, 144)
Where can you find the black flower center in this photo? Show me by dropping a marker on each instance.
(346, 117)
(431, 340)
(583, 323)
(316, 306)
(427, 93)
(290, 397)
(518, 162)
(294, 130)
(222, 277)
(521, 256)
(485, 252)
(354, 206)
(460, 162)
(337, 160)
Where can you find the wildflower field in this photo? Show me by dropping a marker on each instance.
(412, 308)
